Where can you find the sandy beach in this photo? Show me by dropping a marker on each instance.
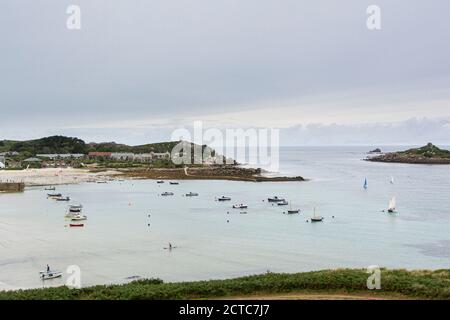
(54, 176)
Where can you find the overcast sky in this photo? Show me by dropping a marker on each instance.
(139, 69)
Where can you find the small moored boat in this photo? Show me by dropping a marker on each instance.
(240, 206)
(160, 181)
(51, 274)
(76, 225)
(62, 199)
(167, 194)
(174, 182)
(315, 218)
(191, 194)
(275, 199)
(78, 217)
(50, 189)
(54, 195)
(282, 203)
(223, 198)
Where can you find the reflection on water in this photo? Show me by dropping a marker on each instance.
(129, 224)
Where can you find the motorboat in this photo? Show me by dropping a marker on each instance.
(50, 274)
(50, 189)
(62, 199)
(276, 199)
(78, 217)
(240, 206)
(160, 181)
(167, 194)
(54, 195)
(223, 198)
(192, 194)
(282, 203)
(74, 210)
(174, 182)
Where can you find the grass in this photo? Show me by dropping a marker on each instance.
(414, 284)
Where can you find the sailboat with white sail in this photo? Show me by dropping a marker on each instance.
(392, 205)
(392, 180)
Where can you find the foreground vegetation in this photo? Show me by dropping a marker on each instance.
(412, 284)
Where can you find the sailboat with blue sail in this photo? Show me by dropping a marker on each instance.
(365, 184)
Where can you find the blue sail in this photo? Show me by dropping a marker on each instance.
(365, 183)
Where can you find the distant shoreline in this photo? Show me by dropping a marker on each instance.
(65, 176)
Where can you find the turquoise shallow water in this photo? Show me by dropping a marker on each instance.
(117, 241)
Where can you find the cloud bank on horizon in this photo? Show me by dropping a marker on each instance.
(137, 70)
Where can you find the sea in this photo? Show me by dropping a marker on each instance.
(130, 225)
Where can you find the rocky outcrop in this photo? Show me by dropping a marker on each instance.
(429, 154)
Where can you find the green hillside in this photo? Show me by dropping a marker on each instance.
(62, 144)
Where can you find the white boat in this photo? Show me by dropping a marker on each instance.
(74, 210)
(392, 180)
(51, 274)
(282, 203)
(315, 218)
(392, 205)
(240, 206)
(62, 199)
(78, 217)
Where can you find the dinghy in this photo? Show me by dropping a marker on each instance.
(76, 225)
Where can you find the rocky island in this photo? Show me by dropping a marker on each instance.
(429, 154)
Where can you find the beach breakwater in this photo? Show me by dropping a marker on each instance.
(12, 186)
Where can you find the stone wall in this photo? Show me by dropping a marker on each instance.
(12, 186)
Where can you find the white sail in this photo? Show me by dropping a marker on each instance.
(392, 180)
(392, 204)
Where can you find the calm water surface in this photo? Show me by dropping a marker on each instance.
(214, 241)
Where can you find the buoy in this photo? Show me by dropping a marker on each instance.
(228, 221)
